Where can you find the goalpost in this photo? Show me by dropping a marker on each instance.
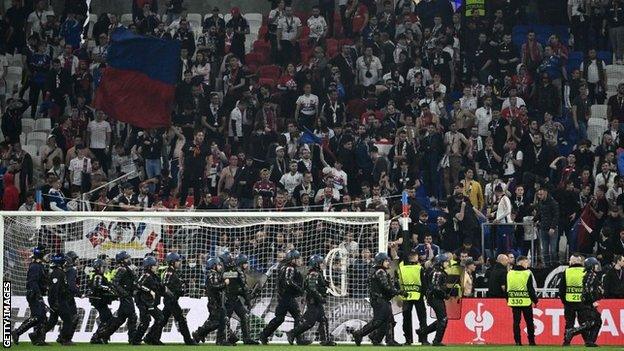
(347, 240)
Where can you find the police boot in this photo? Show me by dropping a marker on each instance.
(29, 323)
(324, 334)
(186, 334)
(357, 335)
(390, 336)
(247, 340)
(199, 335)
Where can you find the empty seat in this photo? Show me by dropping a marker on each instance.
(255, 58)
(599, 111)
(126, 19)
(28, 125)
(595, 128)
(269, 71)
(227, 17)
(16, 60)
(606, 56)
(14, 73)
(43, 124)
(31, 150)
(194, 19)
(576, 55)
(37, 139)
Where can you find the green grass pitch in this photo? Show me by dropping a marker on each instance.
(282, 347)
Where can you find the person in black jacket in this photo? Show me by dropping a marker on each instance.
(315, 287)
(36, 286)
(437, 292)
(147, 297)
(497, 278)
(289, 287)
(381, 291)
(238, 299)
(547, 218)
(124, 284)
(72, 281)
(614, 279)
(589, 318)
(171, 279)
(59, 295)
(215, 289)
(101, 294)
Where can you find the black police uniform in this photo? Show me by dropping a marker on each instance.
(289, 287)
(381, 290)
(124, 284)
(315, 287)
(217, 320)
(59, 297)
(590, 320)
(571, 310)
(171, 279)
(72, 281)
(437, 292)
(237, 299)
(101, 294)
(36, 286)
(147, 297)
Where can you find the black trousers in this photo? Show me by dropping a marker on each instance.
(590, 322)
(191, 179)
(289, 53)
(172, 307)
(421, 313)
(37, 319)
(382, 317)
(217, 320)
(439, 326)
(235, 305)
(125, 312)
(313, 314)
(285, 304)
(105, 316)
(528, 319)
(572, 310)
(69, 319)
(146, 313)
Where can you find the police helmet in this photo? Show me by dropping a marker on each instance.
(315, 261)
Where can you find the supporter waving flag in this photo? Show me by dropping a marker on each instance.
(138, 84)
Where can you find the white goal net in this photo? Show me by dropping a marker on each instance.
(347, 240)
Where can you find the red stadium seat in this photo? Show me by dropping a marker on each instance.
(267, 81)
(332, 47)
(252, 67)
(255, 58)
(269, 71)
(263, 32)
(261, 43)
(305, 32)
(346, 41)
(304, 44)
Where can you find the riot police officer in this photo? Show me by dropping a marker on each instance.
(72, 280)
(101, 294)
(124, 283)
(520, 295)
(381, 291)
(315, 287)
(571, 293)
(237, 298)
(437, 292)
(36, 286)
(171, 280)
(217, 320)
(411, 277)
(289, 286)
(589, 318)
(147, 297)
(59, 296)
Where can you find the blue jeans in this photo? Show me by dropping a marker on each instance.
(153, 167)
(550, 246)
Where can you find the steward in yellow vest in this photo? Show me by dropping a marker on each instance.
(411, 278)
(571, 291)
(520, 296)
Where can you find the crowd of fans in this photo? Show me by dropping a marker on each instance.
(340, 109)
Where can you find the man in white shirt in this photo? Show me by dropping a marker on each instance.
(288, 33)
(99, 138)
(369, 68)
(317, 25)
(235, 124)
(291, 179)
(468, 101)
(483, 117)
(307, 108)
(38, 17)
(68, 60)
(77, 166)
(595, 76)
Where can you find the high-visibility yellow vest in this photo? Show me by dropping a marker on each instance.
(574, 283)
(517, 292)
(409, 280)
(110, 274)
(474, 5)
